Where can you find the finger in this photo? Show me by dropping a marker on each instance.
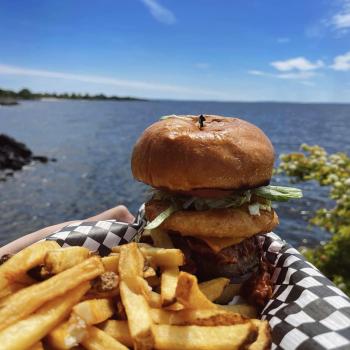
(119, 213)
(27, 240)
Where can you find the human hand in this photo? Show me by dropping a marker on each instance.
(119, 213)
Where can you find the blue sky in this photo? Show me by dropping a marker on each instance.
(293, 50)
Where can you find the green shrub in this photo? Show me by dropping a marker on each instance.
(333, 170)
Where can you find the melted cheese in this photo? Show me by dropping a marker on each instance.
(217, 244)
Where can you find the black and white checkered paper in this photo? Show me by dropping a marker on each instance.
(100, 236)
(306, 312)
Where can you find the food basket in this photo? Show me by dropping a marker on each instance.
(306, 311)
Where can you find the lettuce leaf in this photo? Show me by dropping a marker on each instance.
(278, 193)
(271, 193)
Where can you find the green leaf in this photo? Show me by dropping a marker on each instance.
(161, 217)
(278, 193)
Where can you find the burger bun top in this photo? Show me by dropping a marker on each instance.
(180, 154)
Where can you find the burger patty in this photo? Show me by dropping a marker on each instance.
(235, 262)
(230, 255)
(242, 263)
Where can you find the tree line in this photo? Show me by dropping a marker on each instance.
(26, 94)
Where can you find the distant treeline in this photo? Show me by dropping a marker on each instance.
(26, 94)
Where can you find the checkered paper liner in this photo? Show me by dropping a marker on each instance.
(100, 236)
(306, 311)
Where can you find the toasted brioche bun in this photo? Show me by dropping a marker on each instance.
(226, 153)
(224, 222)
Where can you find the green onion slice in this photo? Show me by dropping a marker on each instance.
(161, 217)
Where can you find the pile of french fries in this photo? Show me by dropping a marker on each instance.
(135, 298)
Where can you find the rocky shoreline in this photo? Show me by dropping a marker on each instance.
(14, 155)
(8, 101)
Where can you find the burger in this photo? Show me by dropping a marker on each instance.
(210, 179)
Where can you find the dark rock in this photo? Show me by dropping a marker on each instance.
(8, 101)
(14, 155)
(41, 159)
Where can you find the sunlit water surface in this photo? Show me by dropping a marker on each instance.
(93, 140)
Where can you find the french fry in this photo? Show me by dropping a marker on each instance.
(139, 318)
(153, 298)
(58, 260)
(243, 309)
(12, 288)
(163, 257)
(158, 256)
(189, 294)
(30, 330)
(263, 341)
(132, 289)
(58, 338)
(131, 271)
(178, 314)
(84, 314)
(213, 289)
(131, 265)
(96, 339)
(161, 239)
(229, 292)
(27, 300)
(111, 263)
(174, 307)
(94, 311)
(117, 249)
(118, 330)
(14, 269)
(149, 272)
(37, 346)
(204, 338)
(168, 285)
(196, 317)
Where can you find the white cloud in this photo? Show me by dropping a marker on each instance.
(121, 83)
(341, 62)
(159, 12)
(338, 20)
(341, 20)
(296, 75)
(298, 63)
(283, 40)
(301, 77)
(202, 65)
(257, 72)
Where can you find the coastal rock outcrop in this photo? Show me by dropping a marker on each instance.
(14, 155)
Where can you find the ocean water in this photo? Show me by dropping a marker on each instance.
(93, 140)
